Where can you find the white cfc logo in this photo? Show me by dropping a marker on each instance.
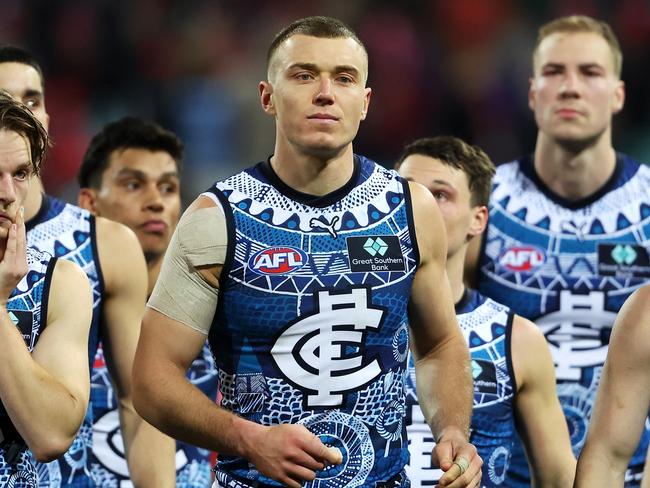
(323, 352)
(578, 333)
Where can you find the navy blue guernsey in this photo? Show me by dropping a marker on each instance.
(97, 458)
(569, 266)
(487, 328)
(311, 326)
(68, 232)
(27, 308)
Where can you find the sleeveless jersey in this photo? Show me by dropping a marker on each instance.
(311, 326)
(487, 328)
(569, 267)
(109, 466)
(27, 307)
(68, 232)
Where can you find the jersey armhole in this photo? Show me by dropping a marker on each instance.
(45, 296)
(511, 369)
(411, 222)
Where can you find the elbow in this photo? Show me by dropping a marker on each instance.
(48, 449)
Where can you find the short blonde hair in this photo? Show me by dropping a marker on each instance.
(583, 23)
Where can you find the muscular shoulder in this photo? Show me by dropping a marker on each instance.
(634, 316)
(69, 289)
(68, 274)
(429, 227)
(529, 350)
(120, 254)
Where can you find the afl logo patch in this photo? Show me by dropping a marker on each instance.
(522, 258)
(277, 260)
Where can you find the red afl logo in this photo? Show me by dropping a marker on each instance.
(277, 260)
(522, 258)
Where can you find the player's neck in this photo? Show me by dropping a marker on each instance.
(455, 267)
(572, 173)
(34, 198)
(309, 173)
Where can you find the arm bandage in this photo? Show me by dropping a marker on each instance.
(181, 293)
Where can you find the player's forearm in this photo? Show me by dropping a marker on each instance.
(172, 404)
(151, 455)
(444, 386)
(45, 413)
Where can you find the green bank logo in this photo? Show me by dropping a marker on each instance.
(624, 254)
(476, 369)
(375, 246)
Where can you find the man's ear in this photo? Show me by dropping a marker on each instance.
(479, 220)
(88, 199)
(266, 97)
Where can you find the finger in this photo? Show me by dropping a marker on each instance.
(450, 475)
(10, 248)
(21, 241)
(320, 452)
(304, 459)
(468, 478)
(443, 455)
(300, 474)
(291, 483)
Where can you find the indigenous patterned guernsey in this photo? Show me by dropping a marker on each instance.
(311, 326)
(68, 232)
(487, 327)
(27, 307)
(569, 266)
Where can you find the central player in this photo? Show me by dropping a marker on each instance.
(304, 272)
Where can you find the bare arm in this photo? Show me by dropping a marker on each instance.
(150, 454)
(165, 397)
(46, 393)
(441, 355)
(623, 398)
(540, 421)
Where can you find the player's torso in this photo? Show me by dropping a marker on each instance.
(27, 307)
(569, 268)
(68, 232)
(109, 466)
(486, 326)
(311, 326)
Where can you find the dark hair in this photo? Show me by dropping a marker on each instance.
(456, 153)
(317, 26)
(13, 54)
(578, 24)
(126, 133)
(16, 117)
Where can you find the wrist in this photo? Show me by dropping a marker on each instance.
(248, 435)
(452, 432)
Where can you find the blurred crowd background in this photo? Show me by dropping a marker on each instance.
(457, 67)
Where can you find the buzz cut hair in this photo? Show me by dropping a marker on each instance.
(456, 153)
(16, 117)
(580, 24)
(14, 54)
(316, 26)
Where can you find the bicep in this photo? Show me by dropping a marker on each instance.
(165, 342)
(431, 309)
(623, 396)
(125, 277)
(62, 349)
(540, 419)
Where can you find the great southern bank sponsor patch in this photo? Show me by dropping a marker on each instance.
(375, 253)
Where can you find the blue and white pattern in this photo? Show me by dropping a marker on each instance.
(27, 308)
(68, 232)
(569, 267)
(310, 323)
(487, 327)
